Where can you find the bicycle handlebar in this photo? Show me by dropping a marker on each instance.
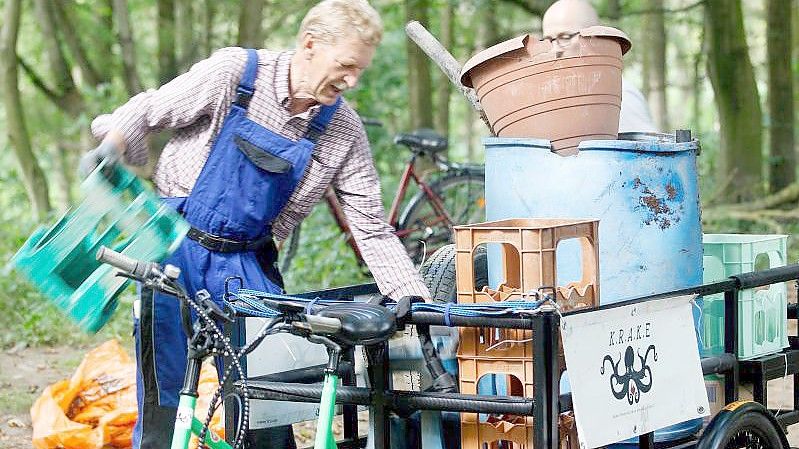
(127, 264)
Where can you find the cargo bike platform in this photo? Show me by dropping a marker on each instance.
(738, 424)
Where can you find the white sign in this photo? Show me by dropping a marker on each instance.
(633, 369)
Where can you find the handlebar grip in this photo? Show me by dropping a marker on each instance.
(127, 264)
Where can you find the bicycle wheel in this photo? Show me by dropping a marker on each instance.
(423, 230)
(743, 424)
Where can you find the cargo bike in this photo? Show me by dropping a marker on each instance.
(334, 320)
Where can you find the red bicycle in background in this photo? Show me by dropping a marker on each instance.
(455, 195)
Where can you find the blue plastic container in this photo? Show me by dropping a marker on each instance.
(644, 191)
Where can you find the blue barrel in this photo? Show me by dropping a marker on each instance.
(643, 189)
(644, 192)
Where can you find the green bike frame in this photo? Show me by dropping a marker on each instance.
(187, 424)
(327, 409)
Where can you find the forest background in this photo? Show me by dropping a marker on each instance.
(725, 69)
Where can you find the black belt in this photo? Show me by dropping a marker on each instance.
(219, 244)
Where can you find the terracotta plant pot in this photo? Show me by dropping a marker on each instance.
(564, 90)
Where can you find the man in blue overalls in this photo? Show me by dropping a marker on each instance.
(258, 138)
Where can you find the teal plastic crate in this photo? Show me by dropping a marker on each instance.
(762, 319)
(117, 210)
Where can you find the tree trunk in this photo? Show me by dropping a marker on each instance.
(105, 16)
(251, 17)
(167, 63)
(646, 68)
(737, 100)
(208, 37)
(795, 51)
(472, 136)
(185, 34)
(60, 69)
(44, 18)
(29, 170)
(419, 83)
(72, 38)
(127, 47)
(656, 32)
(63, 173)
(782, 160)
(66, 96)
(444, 87)
(698, 83)
(487, 32)
(487, 29)
(614, 13)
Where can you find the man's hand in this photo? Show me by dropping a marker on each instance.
(109, 150)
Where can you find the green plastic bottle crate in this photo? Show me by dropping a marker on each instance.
(117, 210)
(762, 316)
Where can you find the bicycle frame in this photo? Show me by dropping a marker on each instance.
(393, 216)
(183, 431)
(324, 438)
(186, 424)
(407, 175)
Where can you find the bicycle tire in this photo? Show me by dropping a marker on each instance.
(438, 273)
(743, 424)
(416, 218)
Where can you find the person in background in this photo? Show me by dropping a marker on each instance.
(259, 135)
(564, 18)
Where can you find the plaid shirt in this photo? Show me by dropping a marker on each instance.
(195, 105)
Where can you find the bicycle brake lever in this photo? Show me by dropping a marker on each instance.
(152, 283)
(122, 274)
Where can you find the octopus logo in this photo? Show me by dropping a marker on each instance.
(630, 382)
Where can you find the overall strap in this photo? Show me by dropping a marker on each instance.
(319, 123)
(246, 87)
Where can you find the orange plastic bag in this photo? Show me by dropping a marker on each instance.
(97, 406)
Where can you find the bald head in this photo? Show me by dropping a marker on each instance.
(568, 16)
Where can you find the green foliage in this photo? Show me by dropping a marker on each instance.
(324, 259)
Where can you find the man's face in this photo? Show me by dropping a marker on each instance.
(336, 67)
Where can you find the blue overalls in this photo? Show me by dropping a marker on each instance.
(248, 178)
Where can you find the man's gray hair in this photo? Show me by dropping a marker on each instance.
(330, 20)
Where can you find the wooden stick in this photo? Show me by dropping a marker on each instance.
(445, 61)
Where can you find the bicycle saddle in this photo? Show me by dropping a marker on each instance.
(361, 324)
(422, 140)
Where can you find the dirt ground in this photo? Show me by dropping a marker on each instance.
(25, 372)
